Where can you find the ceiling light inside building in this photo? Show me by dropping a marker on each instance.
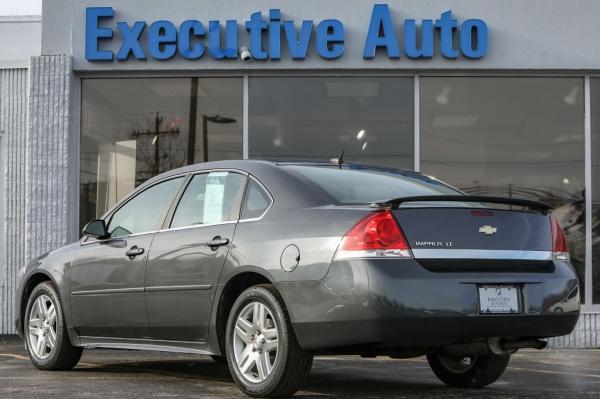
(442, 97)
(571, 97)
(361, 134)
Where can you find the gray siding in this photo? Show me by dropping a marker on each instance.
(20, 38)
(586, 334)
(13, 123)
(53, 154)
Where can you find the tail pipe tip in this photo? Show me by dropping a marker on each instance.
(496, 346)
(502, 347)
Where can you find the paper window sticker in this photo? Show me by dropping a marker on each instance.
(213, 197)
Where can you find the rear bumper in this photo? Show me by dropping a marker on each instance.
(398, 303)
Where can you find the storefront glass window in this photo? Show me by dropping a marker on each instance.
(595, 114)
(133, 129)
(520, 137)
(370, 118)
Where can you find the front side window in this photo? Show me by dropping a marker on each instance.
(256, 202)
(209, 198)
(144, 212)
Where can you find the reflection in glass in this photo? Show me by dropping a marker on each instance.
(521, 137)
(370, 118)
(595, 114)
(143, 212)
(209, 198)
(133, 129)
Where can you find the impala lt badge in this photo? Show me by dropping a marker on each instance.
(488, 230)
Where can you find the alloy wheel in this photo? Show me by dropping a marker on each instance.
(255, 342)
(42, 327)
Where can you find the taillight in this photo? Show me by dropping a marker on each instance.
(560, 251)
(375, 236)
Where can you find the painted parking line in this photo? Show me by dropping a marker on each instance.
(555, 372)
(14, 356)
(22, 357)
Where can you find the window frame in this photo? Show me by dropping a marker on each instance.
(107, 217)
(165, 226)
(246, 193)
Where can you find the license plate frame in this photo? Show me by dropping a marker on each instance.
(499, 299)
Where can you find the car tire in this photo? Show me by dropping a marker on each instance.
(45, 331)
(479, 372)
(263, 354)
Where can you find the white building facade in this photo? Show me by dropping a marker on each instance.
(497, 98)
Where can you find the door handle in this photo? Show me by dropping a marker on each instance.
(217, 242)
(134, 251)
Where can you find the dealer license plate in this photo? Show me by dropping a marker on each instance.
(498, 299)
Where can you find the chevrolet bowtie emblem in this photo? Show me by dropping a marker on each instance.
(488, 230)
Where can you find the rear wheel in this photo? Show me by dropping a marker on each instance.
(469, 371)
(264, 356)
(45, 332)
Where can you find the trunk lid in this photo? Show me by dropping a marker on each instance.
(502, 233)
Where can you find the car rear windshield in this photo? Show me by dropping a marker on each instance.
(362, 185)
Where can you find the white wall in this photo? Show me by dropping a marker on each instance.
(523, 34)
(20, 38)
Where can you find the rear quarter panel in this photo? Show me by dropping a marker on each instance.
(316, 231)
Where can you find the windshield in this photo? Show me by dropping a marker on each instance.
(362, 185)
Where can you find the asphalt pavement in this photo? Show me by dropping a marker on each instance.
(129, 374)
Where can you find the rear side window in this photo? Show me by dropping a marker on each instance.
(144, 212)
(209, 198)
(366, 185)
(256, 201)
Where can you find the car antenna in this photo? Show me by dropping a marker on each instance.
(339, 160)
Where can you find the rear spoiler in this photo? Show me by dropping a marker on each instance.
(396, 202)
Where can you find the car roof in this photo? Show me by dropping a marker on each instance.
(289, 190)
(250, 165)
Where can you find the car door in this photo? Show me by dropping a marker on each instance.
(108, 275)
(187, 256)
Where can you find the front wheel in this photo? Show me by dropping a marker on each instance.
(264, 356)
(45, 331)
(468, 371)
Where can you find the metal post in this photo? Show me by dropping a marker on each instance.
(245, 104)
(157, 122)
(191, 150)
(417, 123)
(204, 138)
(588, 192)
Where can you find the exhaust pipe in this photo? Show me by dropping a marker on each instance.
(494, 346)
(526, 343)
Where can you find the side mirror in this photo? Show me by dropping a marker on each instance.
(95, 229)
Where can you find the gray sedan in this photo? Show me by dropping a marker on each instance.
(264, 264)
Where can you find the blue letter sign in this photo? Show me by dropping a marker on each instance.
(381, 21)
(93, 33)
(276, 36)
